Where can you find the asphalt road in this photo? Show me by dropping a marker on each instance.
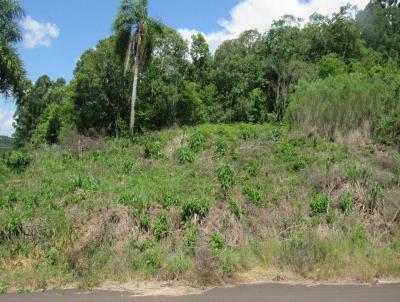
(246, 293)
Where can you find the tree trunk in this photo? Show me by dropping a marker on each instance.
(135, 82)
(128, 57)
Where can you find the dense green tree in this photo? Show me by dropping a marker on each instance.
(11, 69)
(160, 89)
(136, 33)
(239, 68)
(282, 49)
(101, 90)
(37, 97)
(201, 58)
(380, 26)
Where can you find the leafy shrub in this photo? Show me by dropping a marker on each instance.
(235, 208)
(198, 141)
(298, 164)
(10, 200)
(152, 259)
(252, 195)
(346, 203)
(67, 157)
(247, 132)
(319, 204)
(52, 256)
(217, 242)
(221, 148)
(226, 177)
(18, 161)
(331, 65)
(195, 206)
(277, 133)
(169, 200)
(284, 150)
(145, 245)
(252, 169)
(152, 150)
(161, 226)
(144, 221)
(190, 239)
(185, 156)
(10, 225)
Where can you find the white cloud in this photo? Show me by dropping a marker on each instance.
(38, 34)
(6, 122)
(259, 14)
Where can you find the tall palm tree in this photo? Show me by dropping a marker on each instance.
(12, 73)
(136, 33)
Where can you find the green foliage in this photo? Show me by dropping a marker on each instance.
(152, 259)
(217, 242)
(252, 169)
(11, 68)
(356, 172)
(221, 148)
(52, 256)
(331, 65)
(226, 177)
(152, 150)
(359, 237)
(252, 195)
(6, 143)
(131, 201)
(248, 132)
(329, 113)
(195, 206)
(235, 208)
(10, 225)
(18, 161)
(346, 203)
(190, 239)
(161, 226)
(198, 141)
(144, 221)
(298, 163)
(185, 156)
(319, 204)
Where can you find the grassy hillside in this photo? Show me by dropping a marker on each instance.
(199, 204)
(6, 143)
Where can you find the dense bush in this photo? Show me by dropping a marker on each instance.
(217, 242)
(319, 204)
(226, 177)
(195, 206)
(337, 104)
(18, 160)
(161, 226)
(152, 150)
(185, 156)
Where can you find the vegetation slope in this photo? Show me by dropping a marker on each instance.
(200, 204)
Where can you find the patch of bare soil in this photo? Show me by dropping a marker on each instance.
(152, 288)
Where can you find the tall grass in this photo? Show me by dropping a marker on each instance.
(338, 104)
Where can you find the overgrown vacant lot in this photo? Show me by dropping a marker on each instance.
(199, 204)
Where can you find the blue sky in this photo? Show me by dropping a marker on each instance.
(57, 32)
